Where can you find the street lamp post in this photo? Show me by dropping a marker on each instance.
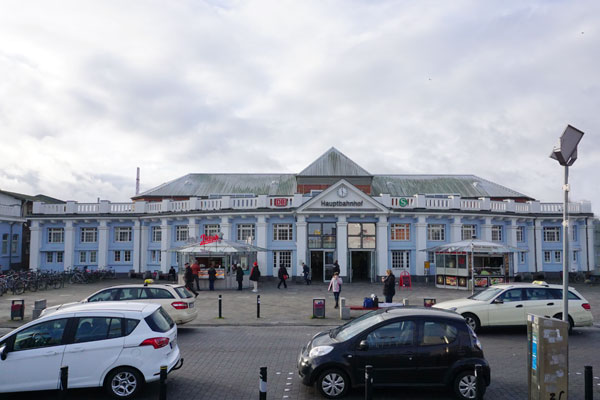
(566, 154)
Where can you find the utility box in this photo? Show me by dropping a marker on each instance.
(318, 308)
(547, 358)
(17, 309)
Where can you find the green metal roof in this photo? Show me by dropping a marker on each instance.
(334, 163)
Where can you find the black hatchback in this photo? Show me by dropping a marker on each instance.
(407, 346)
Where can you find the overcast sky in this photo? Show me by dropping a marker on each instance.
(90, 90)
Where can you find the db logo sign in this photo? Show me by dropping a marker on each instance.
(281, 202)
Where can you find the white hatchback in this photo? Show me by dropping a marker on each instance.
(177, 301)
(118, 345)
(509, 304)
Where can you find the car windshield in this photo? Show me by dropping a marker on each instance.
(353, 328)
(487, 294)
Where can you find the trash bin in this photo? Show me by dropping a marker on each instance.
(17, 309)
(318, 308)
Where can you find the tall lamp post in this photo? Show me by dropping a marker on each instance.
(566, 154)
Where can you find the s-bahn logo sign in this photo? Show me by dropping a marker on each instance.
(403, 202)
(280, 202)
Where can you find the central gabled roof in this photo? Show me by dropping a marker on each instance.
(334, 163)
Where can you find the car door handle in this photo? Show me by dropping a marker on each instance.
(519, 306)
(76, 349)
(51, 353)
(550, 304)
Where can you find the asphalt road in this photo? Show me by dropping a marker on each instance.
(222, 362)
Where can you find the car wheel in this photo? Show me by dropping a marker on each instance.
(465, 386)
(472, 321)
(333, 384)
(123, 383)
(571, 323)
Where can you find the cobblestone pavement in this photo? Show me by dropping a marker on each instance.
(222, 357)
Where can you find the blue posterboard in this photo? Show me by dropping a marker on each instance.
(534, 351)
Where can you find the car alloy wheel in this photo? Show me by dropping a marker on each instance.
(472, 321)
(333, 384)
(465, 386)
(123, 383)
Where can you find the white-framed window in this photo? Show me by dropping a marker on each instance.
(122, 234)
(244, 231)
(547, 256)
(551, 233)
(59, 256)
(282, 232)
(282, 258)
(431, 257)
(89, 235)
(127, 255)
(436, 232)
(520, 233)
(5, 243)
(50, 257)
(155, 256)
(212, 229)
(522, 257)
(181, 233)
(496, 233)
(400, 232)
(93, 257)
(156, 234)
(468, 232)
(56, 235)
(574, 233)
(401, 259)
(83, 257)
(14, 245)
(117, 256)
(557, 256)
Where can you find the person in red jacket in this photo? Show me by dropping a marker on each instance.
(254, 276)
(195, 272)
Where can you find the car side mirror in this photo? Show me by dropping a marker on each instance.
(3, 352)
(498, 301)
(363, 345)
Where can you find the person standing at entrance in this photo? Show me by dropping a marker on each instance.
(188, 276)
(282, 275)
(306, 272)
(254, 276)
(336, 267)
(212, 275)
(239, 276)
(195, 272)
(335, 285)
(389, 286)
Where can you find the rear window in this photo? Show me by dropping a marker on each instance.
(183, 292)
(557, 294)
(156, 293)
(159, 321)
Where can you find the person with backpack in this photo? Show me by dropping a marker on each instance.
(255, 276)
(335, 285)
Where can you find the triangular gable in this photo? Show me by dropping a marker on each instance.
(334, 163)
(342, 197)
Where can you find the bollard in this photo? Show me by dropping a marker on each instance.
(589, 385)
(368, 382)
(405, 302)
(262, 383)
(64, 382)
(479, 384)
(258, 306)
(220, 307)
(162, 392)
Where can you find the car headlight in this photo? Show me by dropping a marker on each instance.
(320, 351)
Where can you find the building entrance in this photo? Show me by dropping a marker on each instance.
(361, 263)
(321, 265)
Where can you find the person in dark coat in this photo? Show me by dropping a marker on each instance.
(282, 275)
(239, 276)
(188, 276)
(212, 275)
(336, 267)
(389, 286)
(254, 276)
(306, 272)
(172, 274)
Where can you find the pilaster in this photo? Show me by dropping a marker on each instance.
(69, 245)
(590, 245)
(531, 255)
(144, 248)
(102, 244)
(382, 245)
(226, 227)
(165, 243)
(421, 244)
(456, 230)
(301, 238)
(539, 256)
(193, 228)
(486, 230)
(512, 241)
(261, 241)
(136, 245)
(342, 244)
(35, 245)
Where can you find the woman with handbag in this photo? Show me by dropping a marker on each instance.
(283, 276)
(336, 286)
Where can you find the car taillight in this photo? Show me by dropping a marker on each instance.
(156, 342)
(586, 306)
(179, 305)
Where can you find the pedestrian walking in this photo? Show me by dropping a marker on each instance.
(195, 272)
(335, 285)
(239, 276)
(212, 275)
(254, 276)
(389, 286)
(188, 276)
(336, 267)
(306, 272)
(172, 274)
(282, 274)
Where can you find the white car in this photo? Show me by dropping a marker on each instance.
(509, 304)
(177, 301)
(118, 345)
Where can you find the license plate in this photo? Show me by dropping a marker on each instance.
(191, 305)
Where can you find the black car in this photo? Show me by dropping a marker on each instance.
(407, 346)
